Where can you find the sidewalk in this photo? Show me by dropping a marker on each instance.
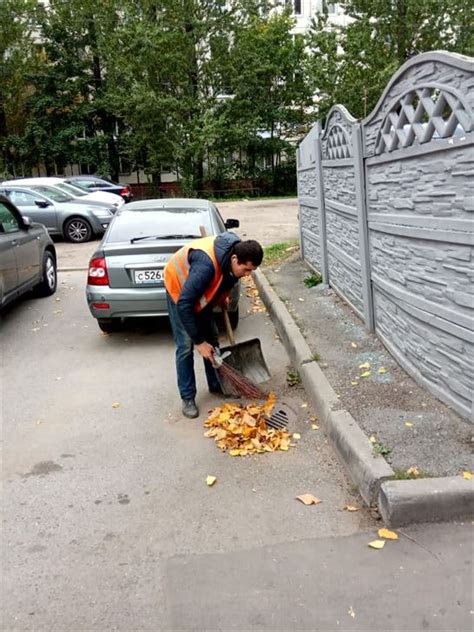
(407, 433)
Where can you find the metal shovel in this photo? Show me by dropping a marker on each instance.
(246, 357)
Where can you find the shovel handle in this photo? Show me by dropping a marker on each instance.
(228, 326)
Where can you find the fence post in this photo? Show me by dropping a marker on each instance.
(322, 208)
(298, 167)
(360, 193)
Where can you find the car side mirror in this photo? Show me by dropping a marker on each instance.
(42, 203)
(26, 222)
(232, 223)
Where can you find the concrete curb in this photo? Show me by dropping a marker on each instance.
(426, 500)
(400, 502)
(352, 446)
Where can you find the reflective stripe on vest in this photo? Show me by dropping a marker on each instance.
(177, 270)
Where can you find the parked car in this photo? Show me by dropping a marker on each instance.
(94, 183)
(110, 199)
(126, 271)
(73, 220)
(27, 256)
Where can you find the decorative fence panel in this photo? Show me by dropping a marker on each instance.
(415, 213)
(311, 212)
(340, 203)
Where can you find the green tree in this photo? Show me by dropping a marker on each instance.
(352, 64)
(16, 60)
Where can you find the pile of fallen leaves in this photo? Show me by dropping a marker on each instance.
(241, 430)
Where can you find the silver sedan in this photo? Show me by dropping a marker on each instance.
(61, 214)
(126, 272)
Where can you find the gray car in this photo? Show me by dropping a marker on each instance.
(27, 256)
(62, 215)
(126, 271)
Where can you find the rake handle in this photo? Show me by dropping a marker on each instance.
(228, 326)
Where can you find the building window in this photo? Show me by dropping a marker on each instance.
(331, 7)
(297, 7)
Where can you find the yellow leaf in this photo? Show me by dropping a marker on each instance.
(353, 345)
(314, 426)
(377, 544)
(308, 499)
(351, 508)
(116, 405)
(413, 470)
(387, 534)
(304, 405)
(234, 452)
(365, 374)
(365, 365)
(382, 370)
(408, 424)
(210, 480)
(296, 435)
(285, 448)
(467, 475)
(355, 383)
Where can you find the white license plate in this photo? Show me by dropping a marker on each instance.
(147, 276)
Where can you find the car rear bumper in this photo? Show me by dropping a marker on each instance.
(106, 302)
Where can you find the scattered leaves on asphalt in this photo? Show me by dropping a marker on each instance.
(387, 534)
(377, 544)
(467, 475)
(308, 499)
(350, 508)
(210, 480)
(365, 365)
(241, 430)
(116, 405)
(382, 370)
(365, 374)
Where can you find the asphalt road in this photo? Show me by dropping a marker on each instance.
(108, 523)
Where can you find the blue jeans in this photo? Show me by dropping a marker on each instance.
(185, 352)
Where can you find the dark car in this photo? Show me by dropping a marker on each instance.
(126, 271)
(27, 256)
(94, 183)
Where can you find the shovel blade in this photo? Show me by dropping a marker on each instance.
(247, 358)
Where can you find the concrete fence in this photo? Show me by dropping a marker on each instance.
(386, 216)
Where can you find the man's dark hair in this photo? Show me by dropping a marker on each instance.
(248, 250)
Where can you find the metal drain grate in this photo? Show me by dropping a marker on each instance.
(281, 416)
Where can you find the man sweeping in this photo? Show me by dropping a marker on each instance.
(198, 277)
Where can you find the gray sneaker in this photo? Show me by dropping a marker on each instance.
(190, 409)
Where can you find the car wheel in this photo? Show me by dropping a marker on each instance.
(48, 285)
(77, 230)
(109, 325)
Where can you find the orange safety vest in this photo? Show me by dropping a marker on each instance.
(177, 270)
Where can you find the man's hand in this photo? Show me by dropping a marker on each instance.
(206, 350)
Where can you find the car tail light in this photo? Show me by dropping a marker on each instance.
(125, 191)
(98, 274)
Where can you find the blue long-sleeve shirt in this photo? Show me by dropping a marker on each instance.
(201, 274)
